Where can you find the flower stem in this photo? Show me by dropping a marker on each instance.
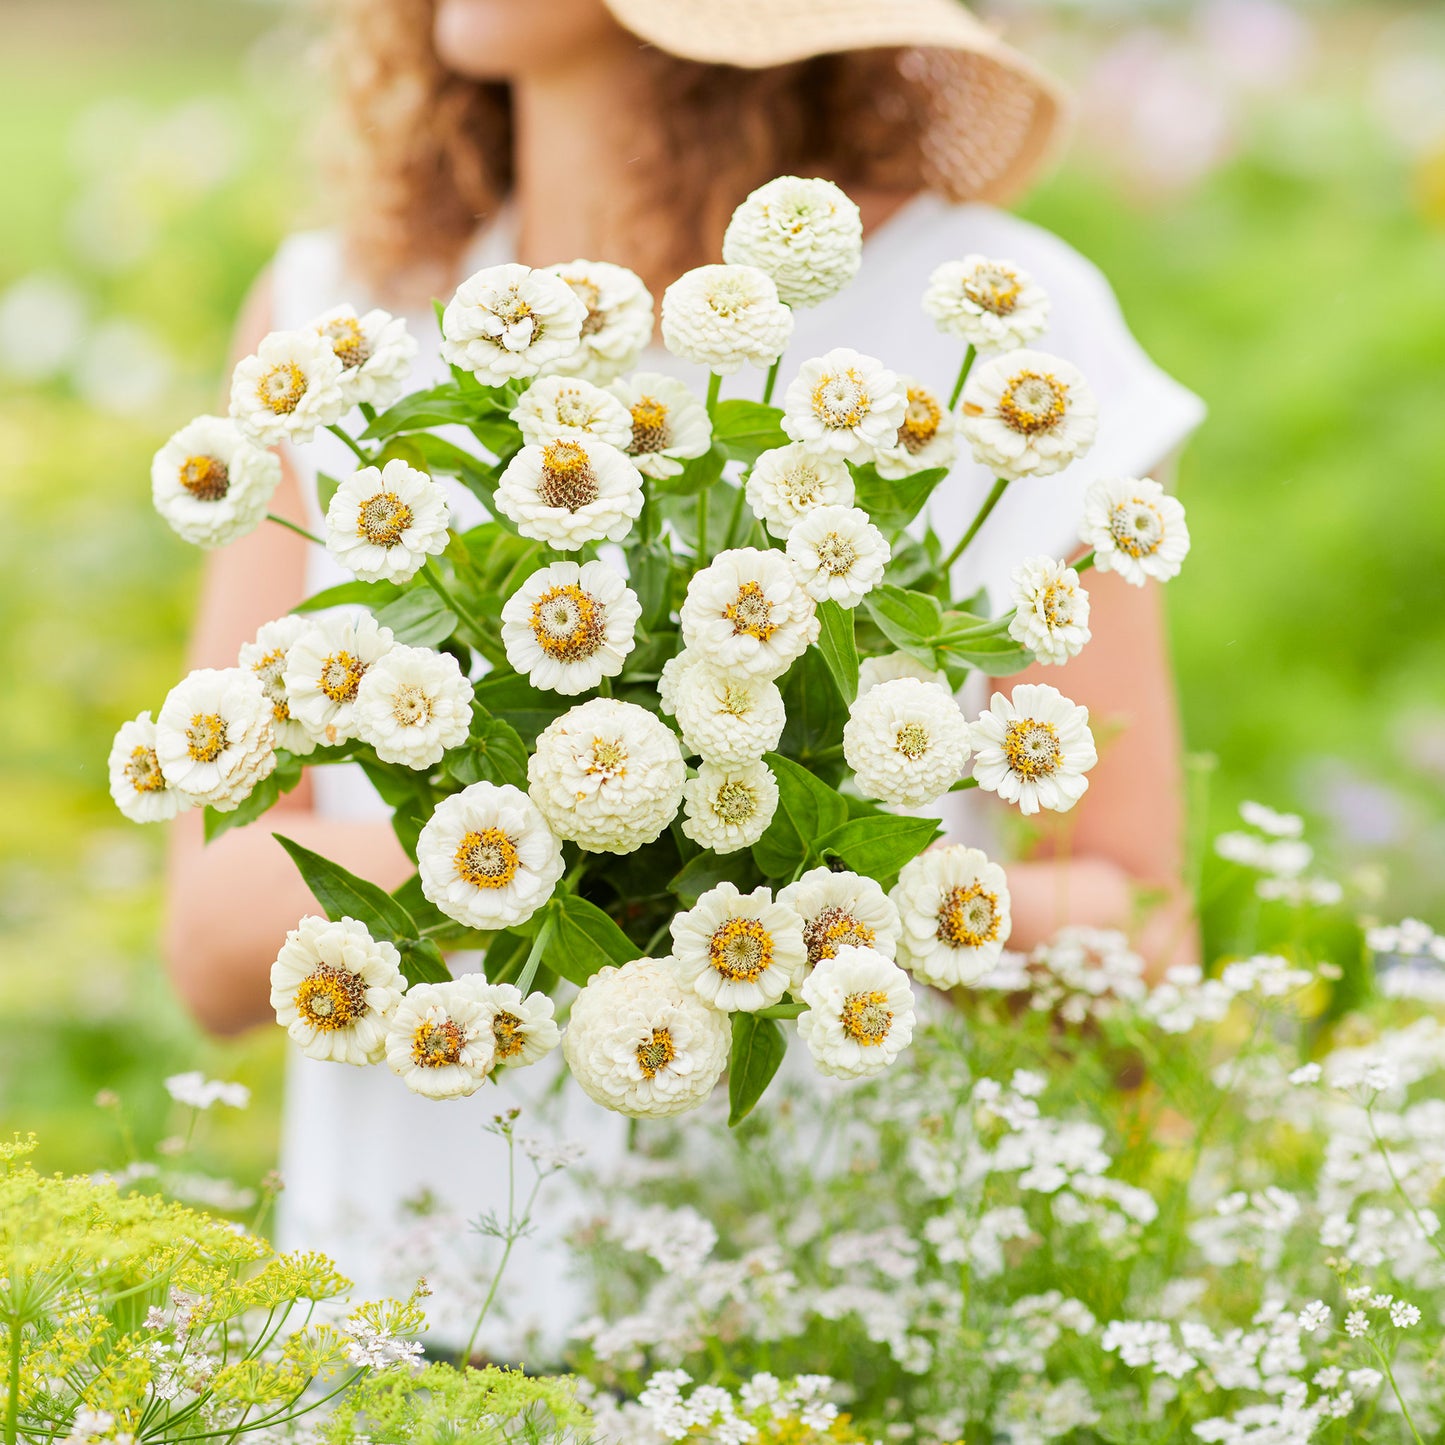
(1399, 1398)
(702, 528)
(528, 975)
(1398, 1186)
(714, 387)
(990, 502)
(963, 371)
(433, 579)
(771, 382)
(292, 527)
(731, 539)
(1084, 562)
(361, 451)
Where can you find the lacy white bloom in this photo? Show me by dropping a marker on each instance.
(728, 806)
(289, 390)
(739, 951)
(906, 741)
(376, 353)
(788, 483)
(385, 522)
(838, 554)
(607, 775)
(1033, 749)
(873, 670)
(487, 857)
(214, 741)
(722, 316)
(747, 611)
(992, 305)
(927, 436)
(566, 406)
(523, 1029)
(324, 668)
(333, 987)
(845, 404)
(413, 705)
(1028, 414)
(725, 717)
(860, 1013)
(639, 1042)
(439, 1038)
(618, 326)
(570, 492)
(508, 321)
(954, 908)
(669, 424)
(1051, 617)
(211, 484)
(1136, 529)
(842, 908)
(567, 627)
(196, 1091)
(136, 781)
(806, 234)
(266, 657)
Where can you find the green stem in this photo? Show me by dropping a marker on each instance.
(361, 452)
(702, 529)
(12, 1404)
(968, 359)
(433, 578)
(714, 387)
(1084, 562)
(990, 502)
(1400, 1399)
(528, 975)
(771, 382)
(292, 527)
(731, 540)
(1395, 1181)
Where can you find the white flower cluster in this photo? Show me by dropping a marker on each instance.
(1275, 848)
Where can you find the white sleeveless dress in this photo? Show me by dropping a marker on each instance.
(389, 1183)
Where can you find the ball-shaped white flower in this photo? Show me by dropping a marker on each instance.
(927, 436)
(570, 492)
(1136, 529)
(376, 353)
(137, 784)
(1034, 748)
(618, 326)
(669, 424)
(413, 705)
(567, 627)
(954, 907)
(906, 741)
(567, 406)
(1051, 610)
(739, 951)
(884, 668)
(860, 1013)
(439, 1039)
(845, 405)
(991, 305)
(324, 668)
(211, 484)
(510, 321)
(842, 908)
(787, 483)
(333, 987)
(748, 612)
(523, 1029)
(265, 656)
(289, 390)
(727, 717)
(384, 522)
(641, 1043)
(806, 234)
(838, 554)
(723, 316)
(728, 806)
(214, 741)
(1027, 414)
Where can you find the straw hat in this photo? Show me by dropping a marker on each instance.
(988, 115)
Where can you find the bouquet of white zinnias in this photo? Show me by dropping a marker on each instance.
(658, 727)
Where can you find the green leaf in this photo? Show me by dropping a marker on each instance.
(445, 405)
(839, 647)
(709, 869)
(758, 1049)
(374, 595)
(816, 712)
(983, 642)
(744, 430)
(265, 795)
(807, 810)
(431, 921)
(524, 706)
(585, 939)
(879, 845)
(419, 617)
(505, 957)
(342, 894)
(494, 753)
(893, 505)
(697, 475)
(440, 458)
(911, 620)
(422, 961)
(406, 793)
(650, 577)
(326, 489)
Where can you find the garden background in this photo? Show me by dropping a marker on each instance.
(1263, 183)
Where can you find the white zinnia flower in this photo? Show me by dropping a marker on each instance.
(1136, 529)
(728, 806)
(510, 321)
(722, 316)
(954, 907)
(439, 1039)
(289, 390)
(669, 424)
(639, 1042)
(806, 234)
(136, 781)
(567, 627)
(571, 491)
(618, 326)
(838, 554)
(860, 1013)
(788, 483)
(266, 656)
(487, 857)
(413, 705)
(324, 668)
(890, 665)
(842, 908)
(607, 775)
(1028, 414)
(211, 484)
(214, 739)
(566, 406)
(747, 611)
(333, 987)
(926, 436)
(739, 951)
(846, 405)
(906, 741)
(725, 717)
(385, 522)
(1033, 749)
(376, 353)
(523, 1029)
(1051, 618)
(992, 305)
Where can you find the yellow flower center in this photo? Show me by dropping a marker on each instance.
(487, 858)
(968, 917)
(836, 554)
(1032, 748)
(912, 740)
(383, 519)
(567, 623)
(1056, 602)
(751, 613)
(1137, 527)
(1033, 402)
(866, 1017)
(609, 756)
(650, 432)
(736, 699)
(205, 478)
(347, 340)
(143, 771)
(436, 1043)
(567, 479)
(508, 1034)
(206, 737)
(590, 295)
(341, 675)
(331, 998)
(832, 928)
(741, 950)
(802, 484)
(735, 802)
(656, 1052)
(841, 399)
(993, 288)
(280, 390)
(920, 422)
(411, 706)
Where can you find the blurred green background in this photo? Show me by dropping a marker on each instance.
(1264, 184)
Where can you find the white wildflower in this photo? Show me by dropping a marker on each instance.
(738, 951)
(1136, 529)
(568, 626)
(788, 483)
(845, 404)
(213, 738)
(137, 783)
(556, 407)
(668, 424)
(954, 908)
(196, 1091)
(838, 554)
(571, 491)
(991, 305)
(384, 522)
(906, 741)
(212, 484)
(721, 317)
(617, 328)
(724, 717)
(1027, 414)
(728, 806)
(439, 1038)
(1033, 749)
(524, 1029)
(289, 390)
(1051, 617)
(806, 234)
(1403, 1316)
(376, 353)
(265, 656)
(324, 669)
(746, 611)
(927, 436)
(860, 1012)
(413, 705)
(890, 665)
(510, 321)
(842, 908)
